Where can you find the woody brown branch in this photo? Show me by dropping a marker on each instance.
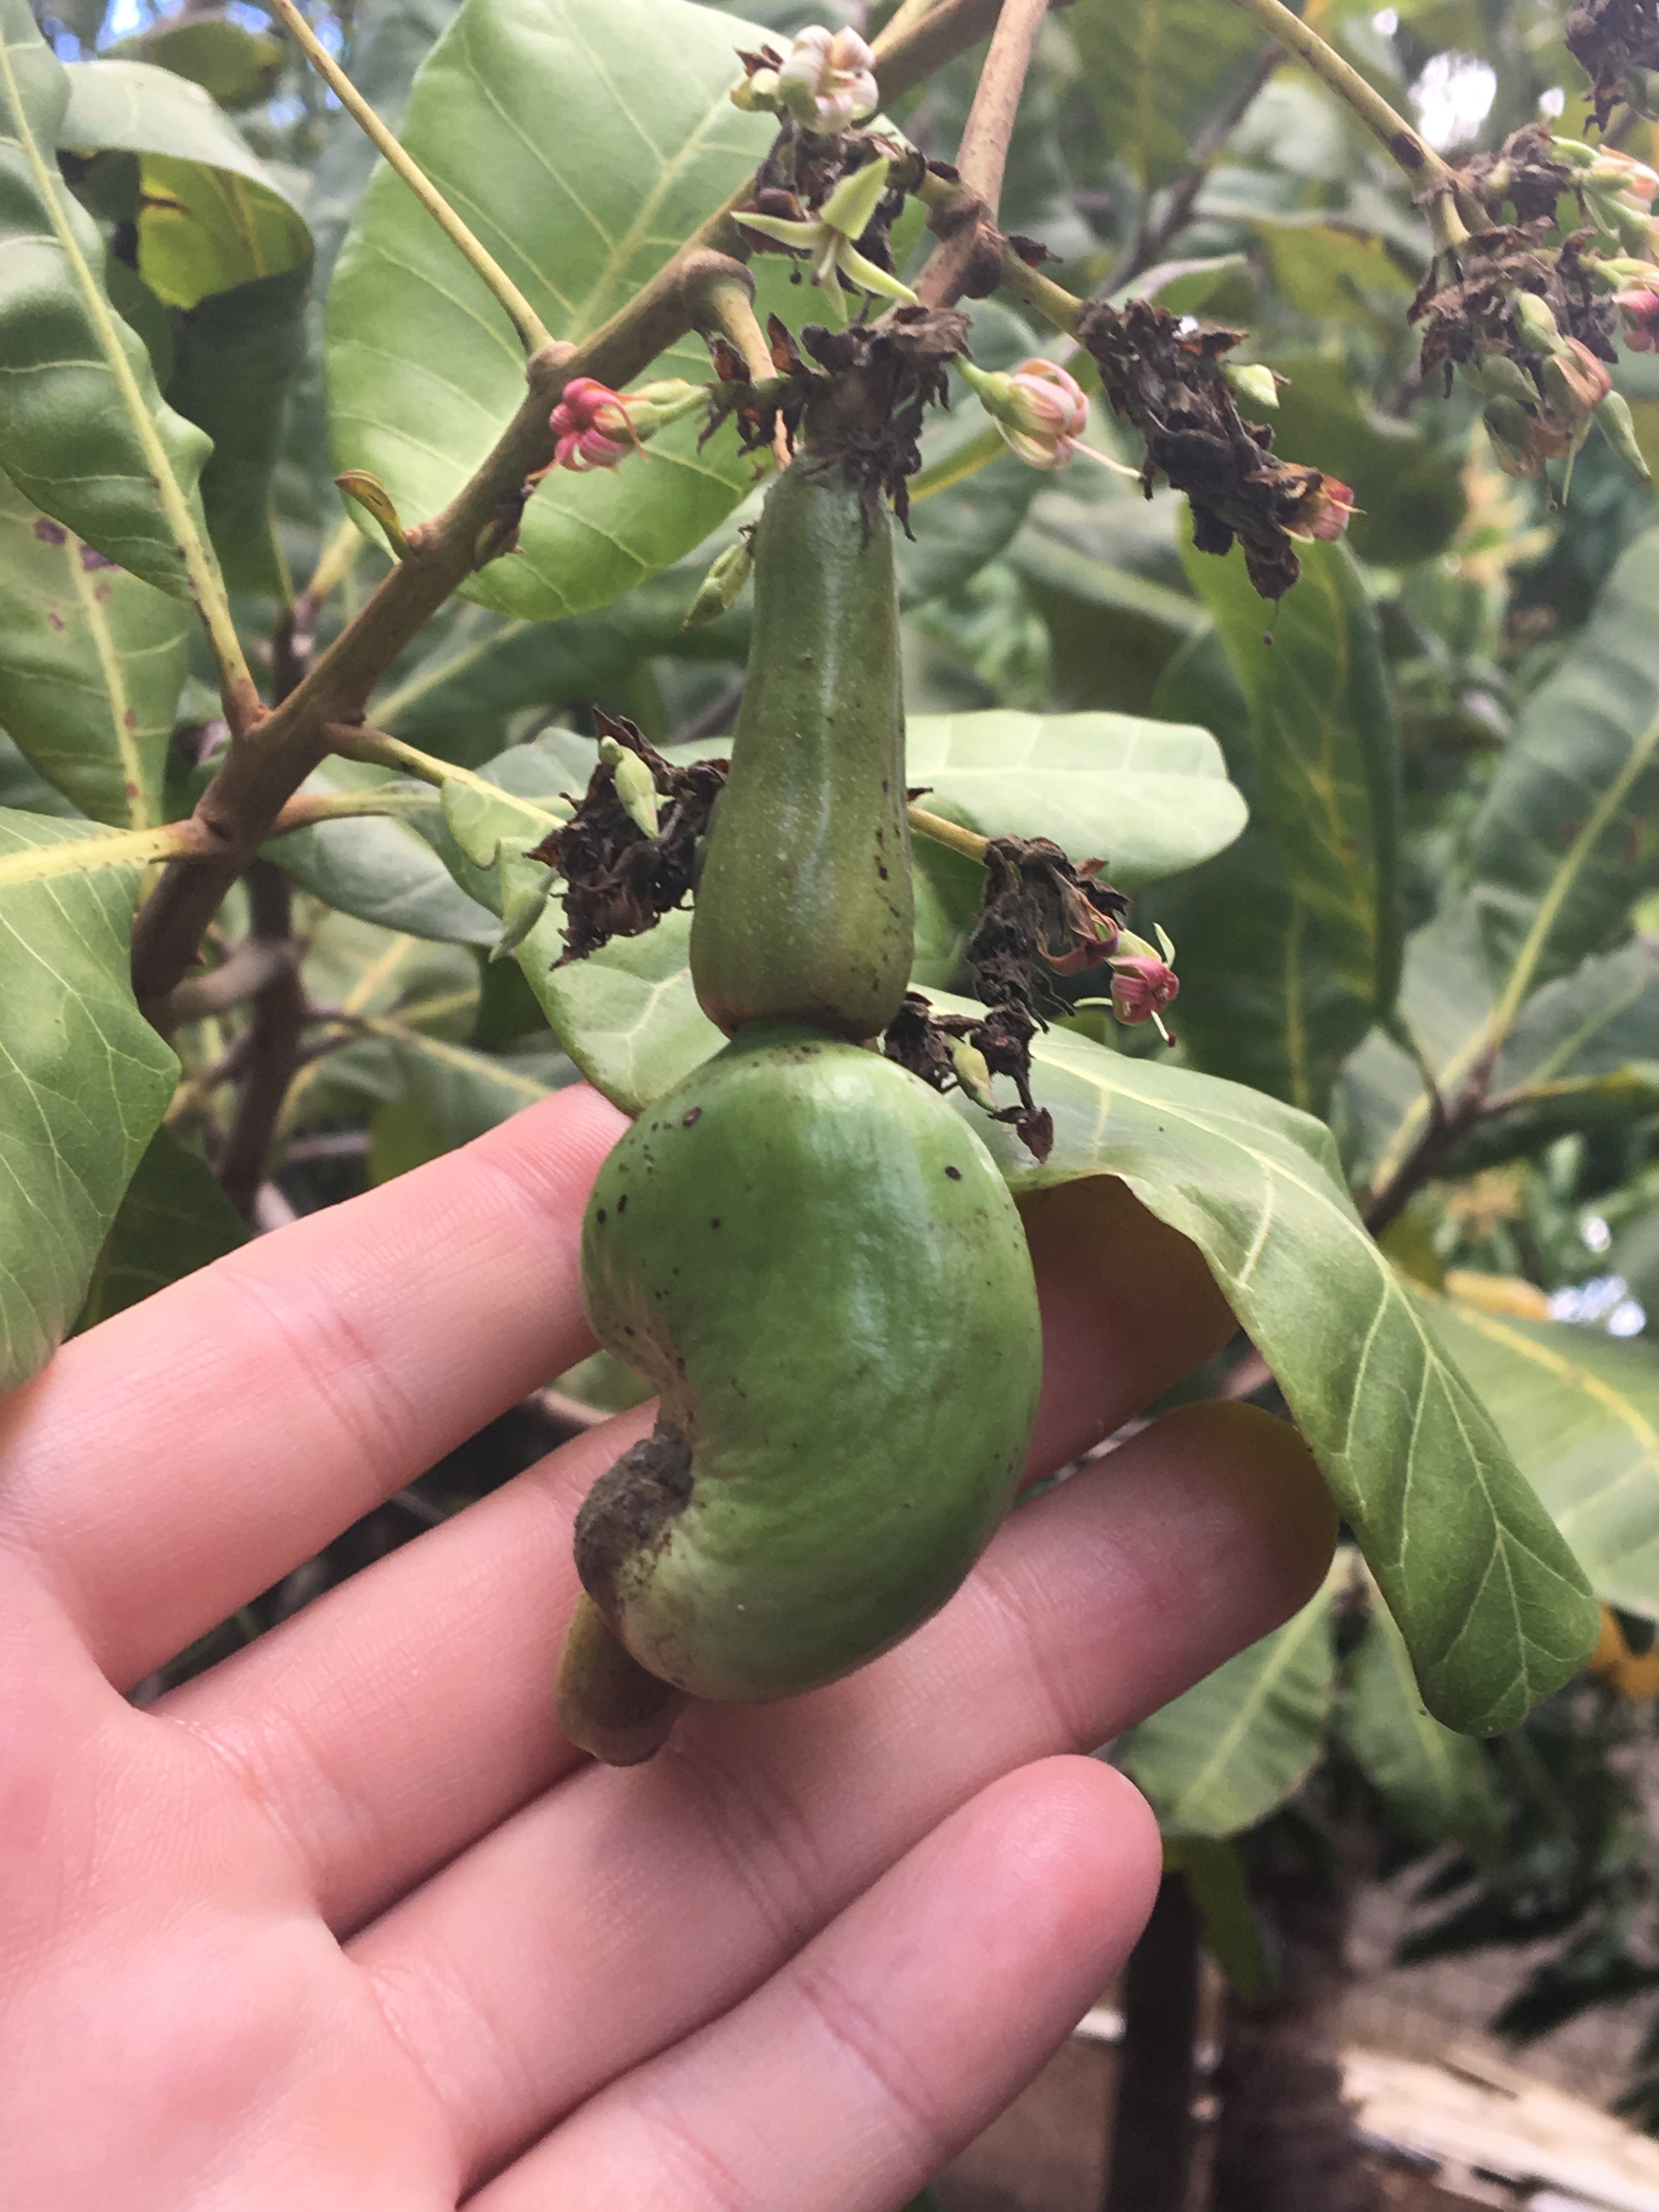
(266, 763)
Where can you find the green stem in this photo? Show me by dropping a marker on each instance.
(729, 302)
(357, 741)
(533, 334)
(1414, 155)
(965, 842)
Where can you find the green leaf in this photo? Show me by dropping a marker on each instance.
(1325, 753)
(222, 246)
(84, 1080)
(1261, 1001)
(233, 65)
(628, 1016)
(1324, 269)
(210, 214)
(174, 1219)
(1112, 629)
(1434, 1782)
(388, 43)
(1580, 1410)
(92, 661)
(1149, 797)
(380, 869)
(235, 357)
(582, 167)
(1232, 1929)
(83, 432)
(1155, 69)
(1568, 835)
(1562, 846)
(476, 667)
(1581, 1052)
(410, 1006)
(1242, 1740)
(1492, 1604)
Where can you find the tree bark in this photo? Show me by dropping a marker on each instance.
(1153, 2136)
(1286, 2140)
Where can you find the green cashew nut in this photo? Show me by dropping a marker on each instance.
(803, 911)
(818, 1264)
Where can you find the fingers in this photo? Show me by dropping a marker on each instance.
(1129, 1308)
(188, 1452)
(861, 2067)
(400, 1717)
(654, 1900)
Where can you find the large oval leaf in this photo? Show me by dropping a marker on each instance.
(210, 214)
(84, 1080)
(1581, 1413)
(1156, 70)
(1326, 755)
(1148, 797)
(582, 167)
(1564, 841)
(92, 662)
(1491, 1601)
(1262, 1001)
(83, 432)
(1433, 1781)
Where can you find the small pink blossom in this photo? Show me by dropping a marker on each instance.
(1041, 409)
(1640, 311)
(1332, 505)
(1576, 381)
(1142, 986)
(1050, 414)
(829, 79)
(591, 425)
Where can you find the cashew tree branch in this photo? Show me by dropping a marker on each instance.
(265, 764)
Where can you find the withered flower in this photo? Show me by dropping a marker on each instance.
(1168, 377)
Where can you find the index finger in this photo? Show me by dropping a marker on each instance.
(188, 1452)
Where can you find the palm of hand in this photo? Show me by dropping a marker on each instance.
(343, 1923)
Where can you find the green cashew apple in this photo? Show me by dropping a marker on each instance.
(816, 1262)
(803, 910)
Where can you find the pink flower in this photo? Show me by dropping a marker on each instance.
(829, 79)
(1575, 381)
(1041, 409)
(1640, 311)
(1142, 986)
(1050, 413)
(1332, 505)
(1322, 504)
(591, 427)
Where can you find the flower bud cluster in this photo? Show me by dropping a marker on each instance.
(826, 82)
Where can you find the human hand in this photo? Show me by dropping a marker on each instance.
(344, 1924)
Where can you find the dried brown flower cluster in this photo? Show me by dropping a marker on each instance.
(1165, 374)
(619, 879)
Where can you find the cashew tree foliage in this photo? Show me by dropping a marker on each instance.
(1257, 690)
